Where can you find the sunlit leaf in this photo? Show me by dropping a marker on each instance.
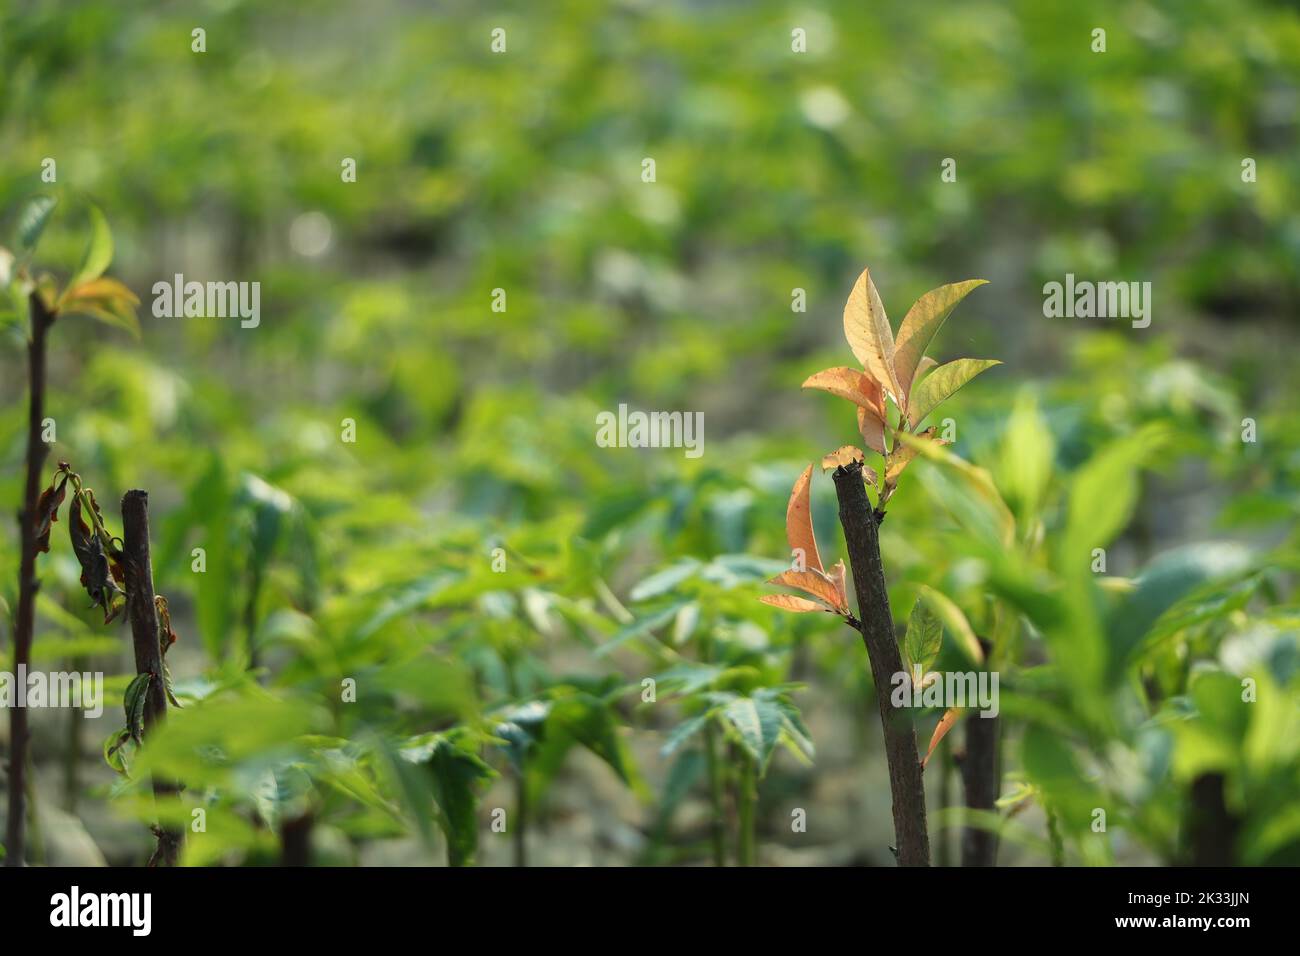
(99, 251)
(789, 602)
(904, 454)
(813, 583)
(798, 521)
(921, 323)
(942, 383)
(850, 383)
(867, 329)
(842, 456)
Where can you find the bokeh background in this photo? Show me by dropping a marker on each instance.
(775, 171)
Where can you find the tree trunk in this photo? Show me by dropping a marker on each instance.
(25, 618)
(906, 784)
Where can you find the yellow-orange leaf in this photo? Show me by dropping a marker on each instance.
(945, 724)
(813, 583)
(789, 602)
(842, 456)
(867, 328)
(798, 522)
(902, 456)
(102, 288)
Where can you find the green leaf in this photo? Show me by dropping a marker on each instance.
(1104, 492)
(924, 637)
(641, 627)
(758, 726)
(32, 221)
(684, 732)
(99, 251)
(665, 580)
(1025, 458)
(1165, 581)
(137, 694)
(921, 323)
(115, 751)
(457, 775)
(952, 618)
(965, 491)
(941, 383)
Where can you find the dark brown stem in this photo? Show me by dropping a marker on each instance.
(295, 841)
(979, 773)
(143, 614)
(42, 319)
(1211, 828)
(906, 784)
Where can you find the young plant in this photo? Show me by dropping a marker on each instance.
(117, 575)
(88, 293)
(897, 371)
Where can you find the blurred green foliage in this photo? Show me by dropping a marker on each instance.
(375, 561)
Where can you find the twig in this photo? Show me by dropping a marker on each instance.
(42, 319)
(143, 614)
(906, 784)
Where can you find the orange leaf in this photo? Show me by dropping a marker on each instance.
(789, 602)
(814, 583)
(851, 383)
(945, 724)
(798, 522)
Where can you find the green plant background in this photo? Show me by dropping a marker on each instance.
(522, 691)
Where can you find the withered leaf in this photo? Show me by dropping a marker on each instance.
(47, 512)
(96, 577)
